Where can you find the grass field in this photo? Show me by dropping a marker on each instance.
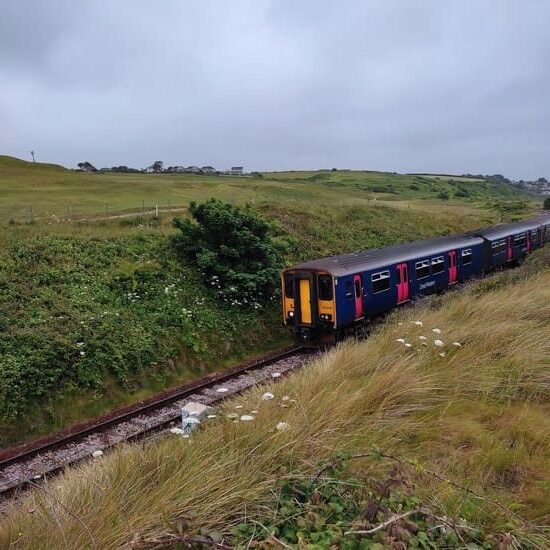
(50, 193)
(72, 279)
(459, 432)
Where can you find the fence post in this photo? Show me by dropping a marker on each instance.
(31, 215)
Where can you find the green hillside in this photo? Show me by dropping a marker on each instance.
(55, 193)
(92, 305)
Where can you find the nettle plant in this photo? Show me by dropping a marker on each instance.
(233, 250)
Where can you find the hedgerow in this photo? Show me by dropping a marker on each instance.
(76, 312)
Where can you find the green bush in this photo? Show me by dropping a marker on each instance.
(547, 203)
(233, 251)
(78, 313)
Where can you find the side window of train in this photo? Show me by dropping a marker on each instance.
(520, 240)
(349, 290)
(289, 286)
(380, 281)
(357, 289)
(498, 246)
(438, 265)
(467, 256)
(324, 283)
(422, 269)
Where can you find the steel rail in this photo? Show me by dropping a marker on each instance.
(27, 451)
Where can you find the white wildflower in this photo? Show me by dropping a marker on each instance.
(401, 340)
(422, 338)
(232, 415)
(267, 396)
(436, 330)
(282, 426)
(176, 431)
(417, 323)
(439, 343)
(247, 417)
(286, 398)
(457, 344)
(238, 406)
(222, 390)
(97, 454)
(442, 354)
(82, 353)
(408, 345)
(212, 416)
(275, 374)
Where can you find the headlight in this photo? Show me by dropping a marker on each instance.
(291, 314)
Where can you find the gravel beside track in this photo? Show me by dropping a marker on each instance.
(29, 463)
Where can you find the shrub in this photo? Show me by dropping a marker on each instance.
(233, 250)
(547, 203)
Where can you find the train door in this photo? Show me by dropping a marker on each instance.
(453, 272)
(509, 251)
(402, 283)
(305, 301)
(358, 288)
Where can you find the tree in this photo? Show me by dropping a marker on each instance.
(87, 167)
(233, 250)
(547, 203)
(156, 166)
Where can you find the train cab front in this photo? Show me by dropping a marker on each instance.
(309, 305)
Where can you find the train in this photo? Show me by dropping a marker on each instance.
(331, 297)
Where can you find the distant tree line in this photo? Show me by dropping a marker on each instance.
(156, 168)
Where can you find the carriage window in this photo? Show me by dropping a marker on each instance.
(438, 265)
(324, 283)
(349, 290)
(422, 269)
(467, 256)
(380, 281)
(289, 286)
(498, 246)
(357, 289)
(520, 240)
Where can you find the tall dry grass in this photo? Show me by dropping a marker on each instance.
(477, 415)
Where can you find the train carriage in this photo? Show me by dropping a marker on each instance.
(324, 297)
(509, 243)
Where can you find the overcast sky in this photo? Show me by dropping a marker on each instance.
(427, 85)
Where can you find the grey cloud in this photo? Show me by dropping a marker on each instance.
(394, 85)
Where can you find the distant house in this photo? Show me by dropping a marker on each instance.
(208, 169)
(237, 170)
(193, 170)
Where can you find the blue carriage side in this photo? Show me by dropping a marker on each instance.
(331, 295)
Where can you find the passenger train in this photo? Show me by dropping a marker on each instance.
(325, 298)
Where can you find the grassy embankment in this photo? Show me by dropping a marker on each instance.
(451, 432)
(90, 311)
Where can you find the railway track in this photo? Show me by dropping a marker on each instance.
(27, 464)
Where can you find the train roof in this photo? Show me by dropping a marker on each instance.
(507, 229)
(374, 258)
